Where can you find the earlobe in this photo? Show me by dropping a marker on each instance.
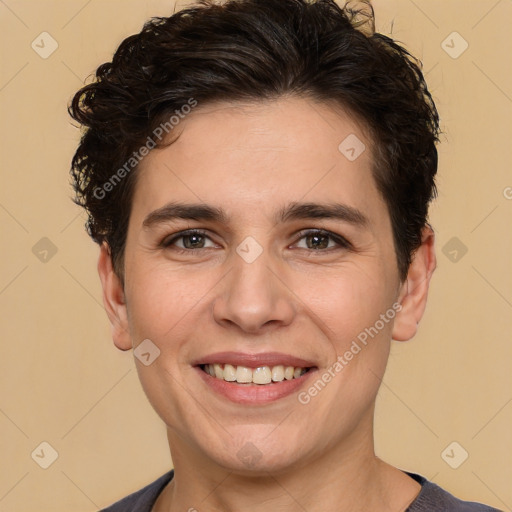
(113, 300)
(414, 290)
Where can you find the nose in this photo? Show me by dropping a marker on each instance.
(253, 296)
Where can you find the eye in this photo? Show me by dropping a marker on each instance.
(316, 240)
(319, 240)
(190, 240)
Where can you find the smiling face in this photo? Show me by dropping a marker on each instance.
(290, 259)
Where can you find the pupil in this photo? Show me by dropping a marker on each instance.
(188, 238)
(317, 237)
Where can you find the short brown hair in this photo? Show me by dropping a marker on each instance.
(257, 50)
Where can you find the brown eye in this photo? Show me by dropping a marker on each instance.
(190, 240)
(319, 240)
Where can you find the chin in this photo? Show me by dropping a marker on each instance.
(258, 455)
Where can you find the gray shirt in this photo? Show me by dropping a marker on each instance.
(430, 499)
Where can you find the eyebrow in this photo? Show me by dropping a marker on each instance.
(293, 211)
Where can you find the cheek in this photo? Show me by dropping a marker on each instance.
(162, 302)
(345, 301)
(163, 306)
(349, 307)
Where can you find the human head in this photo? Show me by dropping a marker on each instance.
(253, 50)
(249, 160)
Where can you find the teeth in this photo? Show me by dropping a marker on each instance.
(278, 373)
(229, 372)
(243, 375)
(219, 372)
(260, 375)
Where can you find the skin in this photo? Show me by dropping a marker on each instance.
(312, 303)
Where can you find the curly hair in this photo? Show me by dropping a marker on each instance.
(257, 50)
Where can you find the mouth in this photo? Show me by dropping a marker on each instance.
(254, 379)
(261, 375)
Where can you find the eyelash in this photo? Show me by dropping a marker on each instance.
(342, 242)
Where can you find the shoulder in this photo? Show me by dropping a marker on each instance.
(433, 497)
(143, 499)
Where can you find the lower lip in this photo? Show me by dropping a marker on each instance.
(254, 394)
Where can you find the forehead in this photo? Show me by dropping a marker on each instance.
(244, 156)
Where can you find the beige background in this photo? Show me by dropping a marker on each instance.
(62, 380)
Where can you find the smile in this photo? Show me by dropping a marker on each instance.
(254, 379)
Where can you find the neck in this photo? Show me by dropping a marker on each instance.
(347, 477)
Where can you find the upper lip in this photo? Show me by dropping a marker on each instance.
(254, 360)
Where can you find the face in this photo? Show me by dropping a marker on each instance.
(288, 262)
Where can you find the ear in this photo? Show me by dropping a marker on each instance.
(414, 290)
(113, 299)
